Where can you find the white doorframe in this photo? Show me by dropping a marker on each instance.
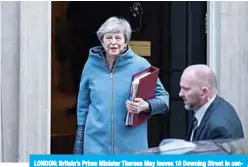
(1, 133)
(35, 79)
(213, 36)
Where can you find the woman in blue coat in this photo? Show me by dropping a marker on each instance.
(104, 93)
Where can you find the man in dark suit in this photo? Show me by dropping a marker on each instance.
(213, 117)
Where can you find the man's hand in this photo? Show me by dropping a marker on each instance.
(139, 105)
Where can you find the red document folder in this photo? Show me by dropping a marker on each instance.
(146, 90)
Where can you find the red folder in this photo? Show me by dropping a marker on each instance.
(146, 90)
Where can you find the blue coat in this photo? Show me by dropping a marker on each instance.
(101, 104)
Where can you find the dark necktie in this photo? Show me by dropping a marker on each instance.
(194, 127)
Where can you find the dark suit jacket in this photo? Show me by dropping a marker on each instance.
(219, 122)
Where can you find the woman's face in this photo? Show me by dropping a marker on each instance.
(113, 43)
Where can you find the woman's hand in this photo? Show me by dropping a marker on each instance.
(139, 105)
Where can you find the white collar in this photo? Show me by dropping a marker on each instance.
(201, 111)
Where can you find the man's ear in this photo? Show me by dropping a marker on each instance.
(205, 92)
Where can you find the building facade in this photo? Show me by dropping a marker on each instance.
(25, 70)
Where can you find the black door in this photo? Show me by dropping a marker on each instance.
(187, 47)
(177, 34)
